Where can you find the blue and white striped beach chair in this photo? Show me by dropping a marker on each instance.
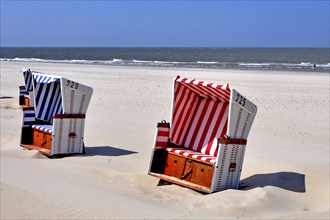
(26, 91)
(55, 125)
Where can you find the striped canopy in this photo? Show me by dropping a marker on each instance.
(199, 114)
(27, 79)
(48, 99)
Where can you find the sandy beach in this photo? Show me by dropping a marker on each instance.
(286, 166)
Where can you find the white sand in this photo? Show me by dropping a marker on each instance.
(285, 172)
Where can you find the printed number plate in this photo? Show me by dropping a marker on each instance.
(72, 84)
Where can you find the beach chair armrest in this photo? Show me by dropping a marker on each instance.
(27, 108)
(227, 140)
(162, 134)
(22, 90)
(62, 116)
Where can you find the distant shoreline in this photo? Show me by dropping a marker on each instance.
(192, 69)
(277, 59)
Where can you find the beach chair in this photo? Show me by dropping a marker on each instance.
(56, 123)
(203, 147)
(26, 91)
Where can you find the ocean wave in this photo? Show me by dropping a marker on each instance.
(255, 64)
(207, 64)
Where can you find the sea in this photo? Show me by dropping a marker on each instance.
(274, 59)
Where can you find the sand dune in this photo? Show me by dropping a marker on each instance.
(285, 172)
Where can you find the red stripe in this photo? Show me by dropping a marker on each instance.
(178, 115)
(207, 126)
(216, 92)
(217, 126)
(224, 130)
(191, 154)
(163, 133)
(218, 118)
(182, 127)
(178, 100)
(188, 116)
(161, 144)
(209, 159)
(182, 115)
(200, 118)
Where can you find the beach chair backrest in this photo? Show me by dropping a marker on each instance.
(59, 95)
(48, 99)
(75, 96)
(27, 74)
(242, 113)
(199, 114)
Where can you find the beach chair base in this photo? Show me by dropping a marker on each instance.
(180, 182)
(181, 170)
(41, 141)
(42, 150)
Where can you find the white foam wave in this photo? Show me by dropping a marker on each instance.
(306, 64)
(254, 64)
(323, 65)
(207, 62)
(301, 65)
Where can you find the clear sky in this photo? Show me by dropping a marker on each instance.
(290, 23)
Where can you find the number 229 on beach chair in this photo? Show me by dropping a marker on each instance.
(26, 92)
(56, 123)
(203, 147)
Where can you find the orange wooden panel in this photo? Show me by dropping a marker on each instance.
(26, 101)
(38, 138)
(42, 139)
(174, 166)
(48, 144)
(202, 174)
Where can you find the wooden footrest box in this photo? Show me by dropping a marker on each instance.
(42, 139)
(188, 169)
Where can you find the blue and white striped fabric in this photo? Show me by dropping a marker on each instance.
(28, 118)
(28, 79)
(45, 79)
(46, 128)
(48, 99)
(23, 91)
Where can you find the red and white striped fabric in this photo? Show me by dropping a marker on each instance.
(162, 134)
(200, 114)
(193, 154)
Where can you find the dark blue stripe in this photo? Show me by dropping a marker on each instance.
(43, 103)
(28, 79)
(38, 89)
(29, 122)
(29, 115)
(52, 94)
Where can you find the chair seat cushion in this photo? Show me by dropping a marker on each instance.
(46, 128)
(192, 154)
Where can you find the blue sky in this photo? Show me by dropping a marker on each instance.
(165, 23)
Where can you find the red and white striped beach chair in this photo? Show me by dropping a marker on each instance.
(26, 91)
(203, 147)
(56, 123)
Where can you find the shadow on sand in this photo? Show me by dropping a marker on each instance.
(6, 97)
(294, 182)
(107, 151)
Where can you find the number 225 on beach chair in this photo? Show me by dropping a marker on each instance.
(56, 123)
(203, 147)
